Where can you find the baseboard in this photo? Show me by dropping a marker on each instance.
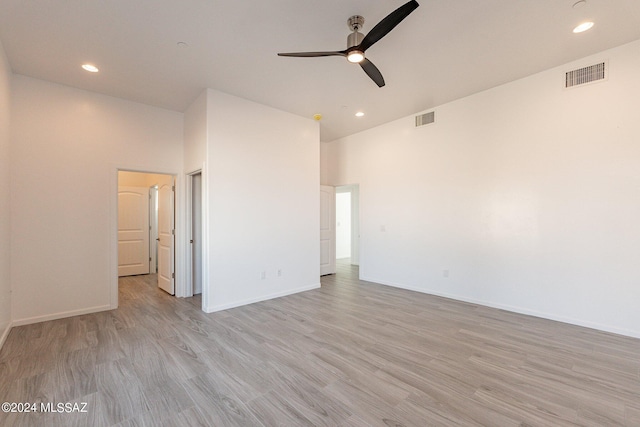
(222, 307)
(61, 315)
(519, 310)
(5, 334)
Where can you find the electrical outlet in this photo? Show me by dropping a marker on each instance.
(279, 272)
(445, 273)
(263, 275)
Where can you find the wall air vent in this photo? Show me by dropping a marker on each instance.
(590, 74)
(425, 119)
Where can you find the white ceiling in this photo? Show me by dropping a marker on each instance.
(445, 50)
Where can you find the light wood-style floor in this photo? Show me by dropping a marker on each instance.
(349, 354)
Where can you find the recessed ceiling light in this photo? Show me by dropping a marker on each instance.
(90, 68)
(583, 27)
(359, 114)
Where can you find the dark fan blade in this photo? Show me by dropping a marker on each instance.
(314, 54)
(372, 71)
(387, 24)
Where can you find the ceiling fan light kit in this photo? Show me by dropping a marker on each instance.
(358, 43)
(355, 56)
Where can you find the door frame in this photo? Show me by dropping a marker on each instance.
(113, 228)
(188, 256)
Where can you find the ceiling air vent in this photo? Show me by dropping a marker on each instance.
(590, 74)
(425, 119)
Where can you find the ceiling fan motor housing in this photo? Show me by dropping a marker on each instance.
(355, 38)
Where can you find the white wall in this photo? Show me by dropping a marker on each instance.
(67, 147)
(142, 179)
(195, 149)
(195, 134)
(526, 195)
(5, 197)
(263, 202)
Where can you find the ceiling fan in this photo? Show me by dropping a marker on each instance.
(357, 43)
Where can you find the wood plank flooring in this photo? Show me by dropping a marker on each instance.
(348, 354)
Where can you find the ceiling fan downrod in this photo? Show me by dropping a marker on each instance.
(355, 23)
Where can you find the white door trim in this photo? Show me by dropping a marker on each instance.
(188, 256)
(205, 238)
(187, 288)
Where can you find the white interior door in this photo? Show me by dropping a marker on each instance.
(166, 238)
(153, 226)
(133, 231)
(327, 230)
(196, 232)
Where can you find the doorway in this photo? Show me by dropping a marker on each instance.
(348, 224)
(327, 230)
(146, 226)
(196, 232)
